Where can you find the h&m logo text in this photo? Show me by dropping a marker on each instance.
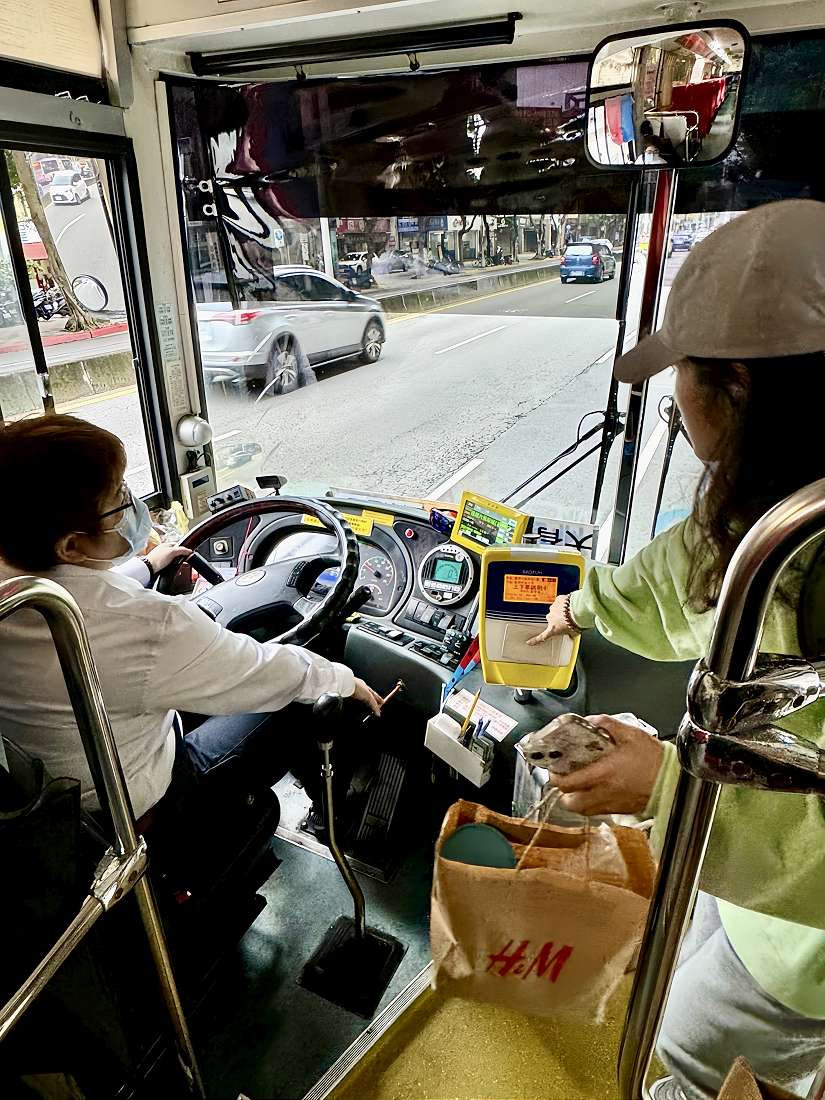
(521, 962)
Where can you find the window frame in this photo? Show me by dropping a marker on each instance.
(116, 150)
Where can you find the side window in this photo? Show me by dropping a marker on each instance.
(291, 288)
(320, 290)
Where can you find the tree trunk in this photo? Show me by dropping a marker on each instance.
(78, 318)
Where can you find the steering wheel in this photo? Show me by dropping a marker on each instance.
(274, 588)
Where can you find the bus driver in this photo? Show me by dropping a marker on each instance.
(69, 516)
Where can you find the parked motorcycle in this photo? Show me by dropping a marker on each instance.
(445, 266)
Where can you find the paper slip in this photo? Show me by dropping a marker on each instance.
(500, 723)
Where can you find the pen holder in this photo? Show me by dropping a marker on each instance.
(441, 739)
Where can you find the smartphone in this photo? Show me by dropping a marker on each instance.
(566, 744)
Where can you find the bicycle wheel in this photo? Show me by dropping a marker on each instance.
(90, 292)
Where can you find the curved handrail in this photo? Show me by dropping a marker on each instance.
(65, 623)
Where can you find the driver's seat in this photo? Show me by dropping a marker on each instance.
(100, 1012)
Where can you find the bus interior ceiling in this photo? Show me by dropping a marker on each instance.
(408, 212)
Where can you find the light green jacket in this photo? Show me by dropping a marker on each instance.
(766, 856)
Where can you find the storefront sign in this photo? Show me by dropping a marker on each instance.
(350, 225)
(437, 224)
(407, 225)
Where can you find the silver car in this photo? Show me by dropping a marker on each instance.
(311, 319)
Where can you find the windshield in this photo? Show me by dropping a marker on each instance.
(464, 359)
(63, 178)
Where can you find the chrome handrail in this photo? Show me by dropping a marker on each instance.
(122, 868)
(749, 585)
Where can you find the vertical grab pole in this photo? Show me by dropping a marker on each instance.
(746, 594)
(65, 624)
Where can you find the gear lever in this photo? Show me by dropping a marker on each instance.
(326, 710)
(353, 964)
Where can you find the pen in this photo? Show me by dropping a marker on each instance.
(470, 714)
(398, 687)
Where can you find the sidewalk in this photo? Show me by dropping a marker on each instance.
(16, 337)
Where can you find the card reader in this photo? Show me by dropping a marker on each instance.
(518, 584)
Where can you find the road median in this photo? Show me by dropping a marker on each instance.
(454, 293)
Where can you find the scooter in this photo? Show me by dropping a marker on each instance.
(446, 267)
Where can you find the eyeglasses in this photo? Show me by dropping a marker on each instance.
(127, 502)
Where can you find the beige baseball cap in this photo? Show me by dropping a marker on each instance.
(752, 289)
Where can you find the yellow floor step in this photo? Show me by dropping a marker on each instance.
(450, 1049)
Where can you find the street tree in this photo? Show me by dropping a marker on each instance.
(79, 318)
(466, 226)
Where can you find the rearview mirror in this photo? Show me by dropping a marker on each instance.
(667, 97)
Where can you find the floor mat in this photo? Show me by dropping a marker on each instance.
(262, 1034)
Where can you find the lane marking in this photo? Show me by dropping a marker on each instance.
(469, 340)
(586, 294)
(438, 490)
(69, 225)
(607, 355)
(395, 320)
(226, 435)
(94, 399)
(645, 459)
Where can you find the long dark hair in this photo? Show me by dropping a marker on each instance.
(773, 412)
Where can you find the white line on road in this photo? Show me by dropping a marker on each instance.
(607, 355)
(438, 490)
(68, 225)
(645, 459)
(586, 294)
(226, 435)
(461, 343)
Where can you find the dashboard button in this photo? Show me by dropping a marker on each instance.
(425, 614)
(447, 659)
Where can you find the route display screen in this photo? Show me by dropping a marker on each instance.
(524, 588)
(483, 523)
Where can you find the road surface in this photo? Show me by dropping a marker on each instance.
(85, 245)
(476, 396)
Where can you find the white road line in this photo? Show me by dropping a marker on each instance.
(68, 225)
(226, 435)
(137, 470)
(645, 459)
(607, 355)
(461, 343)
(439, 490)
(586, 294)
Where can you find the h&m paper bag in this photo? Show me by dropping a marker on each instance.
(555, 936)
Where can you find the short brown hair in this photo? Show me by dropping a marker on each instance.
(55, 473)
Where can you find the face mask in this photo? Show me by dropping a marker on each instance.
(135, 526)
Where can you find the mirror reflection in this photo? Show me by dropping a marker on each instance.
(665, 99)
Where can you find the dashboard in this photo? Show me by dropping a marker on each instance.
(423, 587)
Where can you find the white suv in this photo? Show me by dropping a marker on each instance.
(312, 320)
(68, 187)
(355, 261)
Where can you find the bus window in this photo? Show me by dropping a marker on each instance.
(75, 280)
(19, 388)
(465, 344)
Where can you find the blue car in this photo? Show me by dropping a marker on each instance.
(594, 262)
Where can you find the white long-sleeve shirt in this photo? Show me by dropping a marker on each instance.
(154, 654)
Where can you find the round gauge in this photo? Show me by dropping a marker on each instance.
(378, 573)
(446, 574)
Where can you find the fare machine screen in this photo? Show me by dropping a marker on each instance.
(518, 584)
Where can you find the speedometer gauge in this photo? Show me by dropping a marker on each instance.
(378, 574)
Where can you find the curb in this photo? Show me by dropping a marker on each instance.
(68, 337)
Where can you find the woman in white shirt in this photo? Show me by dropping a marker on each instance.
(69, 516)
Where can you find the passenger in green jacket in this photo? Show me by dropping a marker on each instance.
(745, 330)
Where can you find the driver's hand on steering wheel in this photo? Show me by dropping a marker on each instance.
(164, 555)
(363, 693)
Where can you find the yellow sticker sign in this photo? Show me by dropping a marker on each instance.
(361, 525)
(383, 518)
